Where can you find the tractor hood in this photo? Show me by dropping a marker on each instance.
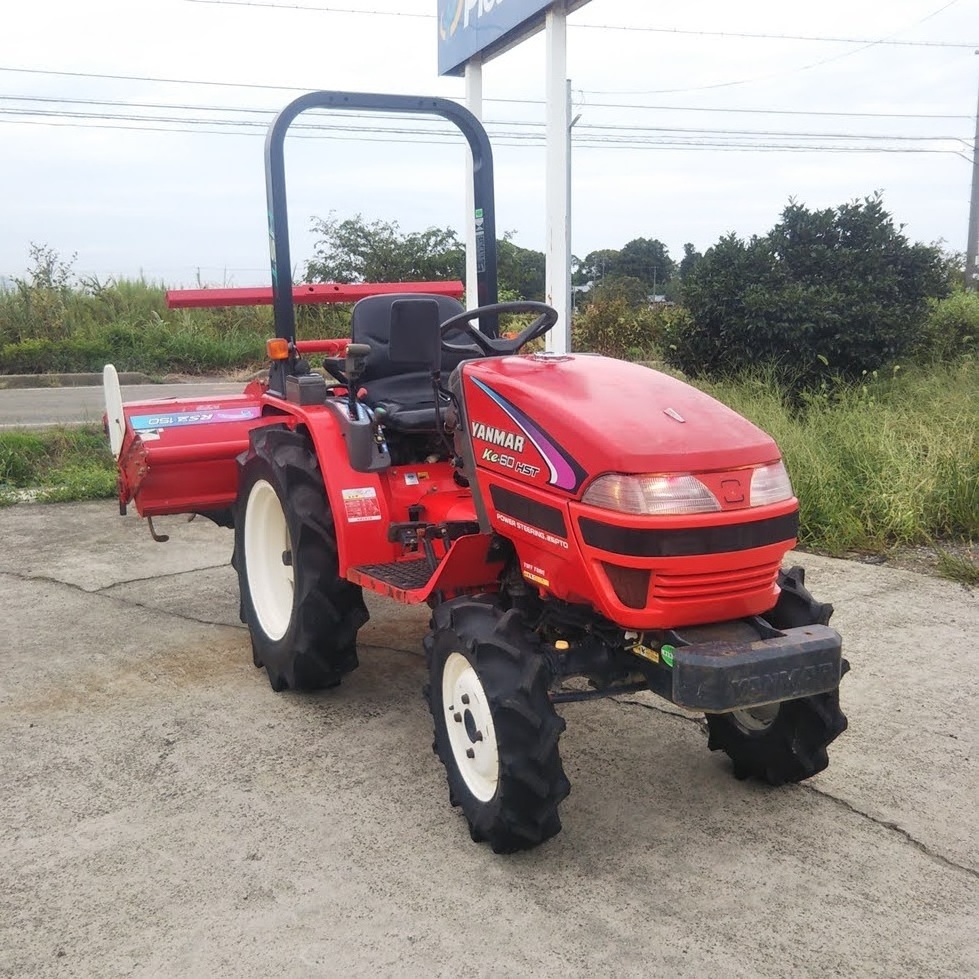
(586, 415)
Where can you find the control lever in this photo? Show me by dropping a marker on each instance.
(379, 415)
(356, 364)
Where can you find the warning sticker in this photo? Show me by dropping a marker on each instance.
(360, 505)
(646, 652)
(536, 575)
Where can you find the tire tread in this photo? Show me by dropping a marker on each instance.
(524, 811)
(320, 645)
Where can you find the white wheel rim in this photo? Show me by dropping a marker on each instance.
(756, 719)
(271, 580)
(469, 722)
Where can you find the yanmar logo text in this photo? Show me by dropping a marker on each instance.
(800, 681)
(498, 436)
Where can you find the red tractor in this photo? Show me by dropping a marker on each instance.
(580, 526)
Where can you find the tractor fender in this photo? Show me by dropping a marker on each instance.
(357, 499)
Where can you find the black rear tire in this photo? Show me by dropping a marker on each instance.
(496, 730)
(303, 618)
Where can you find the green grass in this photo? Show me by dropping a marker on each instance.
(181, 342)
(128, 324)
(56, 465)
(889, 462)
(957, 568)
(48, 325)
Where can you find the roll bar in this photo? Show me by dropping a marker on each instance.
(275, 187)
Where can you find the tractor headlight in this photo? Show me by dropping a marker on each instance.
(770, 484)
(651, 495)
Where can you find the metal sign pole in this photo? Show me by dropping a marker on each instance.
(473, 31)
(474, 103)
(558, 177)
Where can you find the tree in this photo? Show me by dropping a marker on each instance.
(691, 259)
(643, 259)
(520, 270)
(595, 266)
(647, 260)
(625, 288)
(355, 250)
(617, 328)
(838, 291)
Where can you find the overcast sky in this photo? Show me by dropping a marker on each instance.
(161, 172)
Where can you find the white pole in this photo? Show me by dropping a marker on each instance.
(474, 103)
(972, 242)
(558, 193)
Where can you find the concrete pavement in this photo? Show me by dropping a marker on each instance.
(166, 814)
(40, 407)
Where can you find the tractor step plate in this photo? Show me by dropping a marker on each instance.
(407, 575)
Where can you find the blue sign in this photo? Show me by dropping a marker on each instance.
(487, 27)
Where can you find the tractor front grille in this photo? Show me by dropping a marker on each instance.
(676, 588)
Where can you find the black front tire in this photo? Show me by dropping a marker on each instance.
(784, 743)
(496, 730)
(303, 618)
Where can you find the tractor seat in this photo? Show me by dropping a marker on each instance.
(403, 390)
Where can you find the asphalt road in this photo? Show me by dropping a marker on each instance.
(45, 406)
(166, 814)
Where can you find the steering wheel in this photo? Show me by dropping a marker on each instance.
(494, 346)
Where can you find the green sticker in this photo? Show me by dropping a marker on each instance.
(479, 212)
(667, 654)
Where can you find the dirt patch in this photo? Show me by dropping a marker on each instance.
(215, 665)
(940, 559)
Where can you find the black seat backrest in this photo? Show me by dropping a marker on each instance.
(403, 390)
(371, 324)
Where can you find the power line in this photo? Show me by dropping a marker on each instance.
(498, 125)
(680, 140)
(510, 101)
(738, 35)
(745, 35)
(778, 74)
(492, 123)
(759, 112)
(149, 78)
(325, 10)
